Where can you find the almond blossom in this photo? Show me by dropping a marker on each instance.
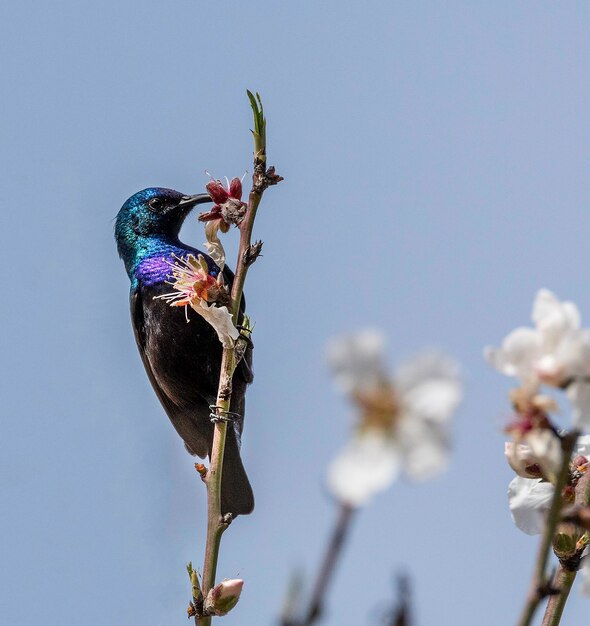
(530, 498)
(556, 352)
(404, 419)
(194, 286)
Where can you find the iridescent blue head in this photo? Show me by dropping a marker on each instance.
(149, 220)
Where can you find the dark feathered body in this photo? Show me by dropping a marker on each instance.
(181, 359)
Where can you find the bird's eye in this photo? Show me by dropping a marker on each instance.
(155, 204)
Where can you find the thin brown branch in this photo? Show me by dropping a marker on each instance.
(540, 586)
(563, 581)
(216, 523)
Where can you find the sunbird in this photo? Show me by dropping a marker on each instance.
(182, 359)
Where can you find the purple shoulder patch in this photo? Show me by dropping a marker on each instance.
(155, 269)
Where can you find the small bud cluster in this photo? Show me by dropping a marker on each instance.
(219, 601)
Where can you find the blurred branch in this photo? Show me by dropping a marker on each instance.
(401, 615)
(328, 566)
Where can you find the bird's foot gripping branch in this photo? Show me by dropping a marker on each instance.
(222, 307)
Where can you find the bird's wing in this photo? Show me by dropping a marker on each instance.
(195, 434)
(137, 321)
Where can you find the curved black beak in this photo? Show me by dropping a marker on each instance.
(187, 202)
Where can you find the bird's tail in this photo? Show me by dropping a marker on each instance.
(237, 497)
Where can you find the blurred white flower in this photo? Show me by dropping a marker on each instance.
(529, 499)
(357, 361)
(367, 465)
(556, 352)
(404, 420)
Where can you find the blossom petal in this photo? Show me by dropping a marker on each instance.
(217, 191)
(545, 447)
(213, 243)
(520, 457)
(425, 448)
(518, 353)
(221, 320)
(357, 361)
(579, 394)
(583, 446)
(367, 465)
(434, 400)
(529, 500)
(430, 386)
(554, 318)
(235, 188)
(573, 354)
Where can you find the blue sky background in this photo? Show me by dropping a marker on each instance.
(436, 160)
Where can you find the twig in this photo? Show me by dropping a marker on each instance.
(216, 523)
(400, 616)
(328, 566)
(563, 581)
(566, 574)
(540, 585)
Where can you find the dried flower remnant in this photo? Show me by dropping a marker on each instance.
(228, 208)
(194, 286)
(403, 422)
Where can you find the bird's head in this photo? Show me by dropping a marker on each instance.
(149, 215)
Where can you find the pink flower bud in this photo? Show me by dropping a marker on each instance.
(223, 597)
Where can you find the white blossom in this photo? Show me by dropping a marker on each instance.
(539, 447)
(220, 318)
(530, 499)
(404, 419)
(357, 361)
(556, 352)
(194, 286)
